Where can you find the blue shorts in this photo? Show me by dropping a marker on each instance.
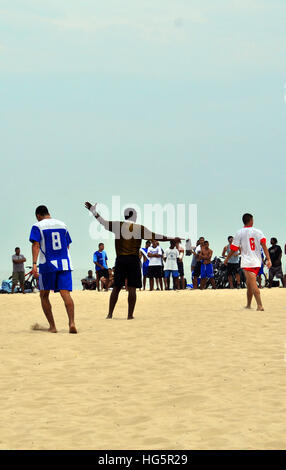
(207, 270)
(261, 270)
(145, 269)
(168, 272)
(56, 281)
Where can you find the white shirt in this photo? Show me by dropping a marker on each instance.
(181, 252)
(155, 251)
(249, 239)
(171, 255)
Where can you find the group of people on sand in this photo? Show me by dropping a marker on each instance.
(50, 250)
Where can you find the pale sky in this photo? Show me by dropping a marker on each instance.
(155, 101)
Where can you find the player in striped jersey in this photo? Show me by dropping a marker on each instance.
(50, 242)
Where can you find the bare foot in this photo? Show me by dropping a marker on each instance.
(260, 309)
(109, 317)
(130, 318)
(52, 329)
(248, 307)
(73, 329)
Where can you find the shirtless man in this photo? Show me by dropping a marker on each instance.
(207, 271)
(249, 240)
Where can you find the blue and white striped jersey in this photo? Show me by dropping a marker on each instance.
(54, 240)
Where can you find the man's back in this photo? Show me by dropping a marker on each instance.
(128, 238)
(54, 239)
(249, 240)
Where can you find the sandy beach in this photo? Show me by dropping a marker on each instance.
(193, 370)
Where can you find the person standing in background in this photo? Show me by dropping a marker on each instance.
(155, 264)
(101, 268)
(181, 280)
(18, 274)
(275, 256)
(233, 264)
(145, 264)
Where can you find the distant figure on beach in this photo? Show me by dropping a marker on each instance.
(18, 274)
(181, 279)
(207, 270)
(143, 254)
(198, 265)
(50, 239)
(100, 261)
(232, 265)
(171, 257)
(128, 239)
(275, 253)
(155, 271)
(89, 282)
(249, 240)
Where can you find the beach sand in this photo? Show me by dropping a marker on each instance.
(193, 370)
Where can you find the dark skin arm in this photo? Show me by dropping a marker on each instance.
(35, 254)
(147, 234)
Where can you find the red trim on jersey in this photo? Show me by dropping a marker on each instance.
(263, 240)
(234, 248)
(247, 226)
(253, 270)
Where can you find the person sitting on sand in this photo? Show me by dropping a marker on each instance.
(89, 282)
(249, 240)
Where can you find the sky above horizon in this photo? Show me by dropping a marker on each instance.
(153, 101)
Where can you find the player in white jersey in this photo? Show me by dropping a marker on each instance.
(250, 240)
(50, 239)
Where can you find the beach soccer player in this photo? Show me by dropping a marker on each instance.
(250, 240)
(128, 239)
(50, 241)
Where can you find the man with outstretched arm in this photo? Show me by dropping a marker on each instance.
(128, 238)
(249, 240)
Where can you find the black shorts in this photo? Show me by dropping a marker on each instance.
(232, 268)
(197, 270)
(102, 273)
(155, 271)
(181, 268)
(127, 267)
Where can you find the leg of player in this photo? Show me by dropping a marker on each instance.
(47, 309)
(113, 300)
(69, 308)
(176, 282)
(131, 302)
(252, 289)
